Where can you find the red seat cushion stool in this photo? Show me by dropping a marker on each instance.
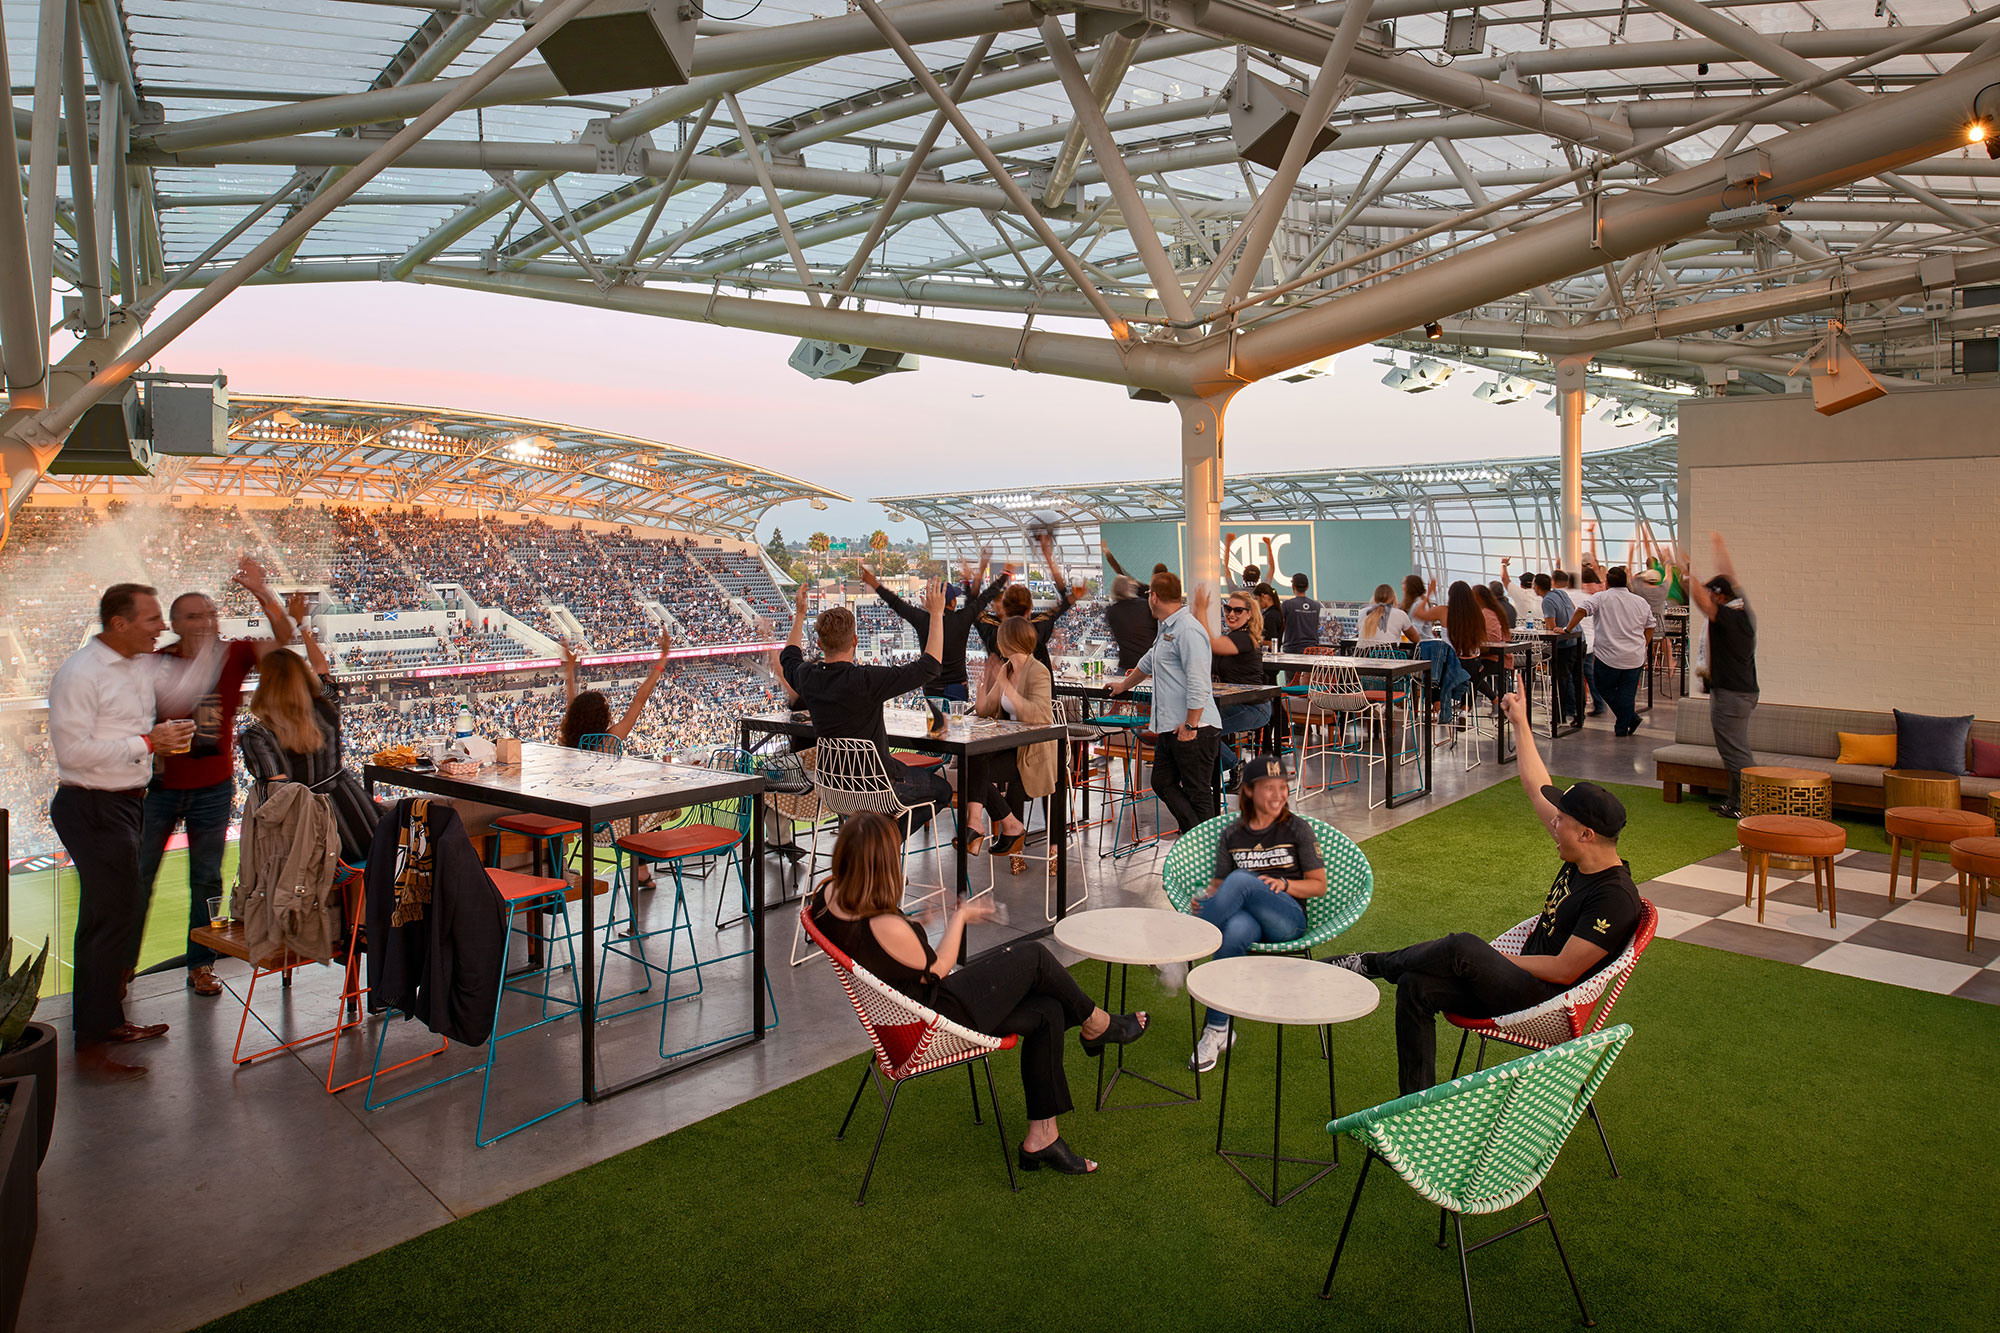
(1977, 861)
(537, 826)
(687, 840)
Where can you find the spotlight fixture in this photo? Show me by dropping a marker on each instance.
(1747, 218)
(1984, 127)
(1433, 330)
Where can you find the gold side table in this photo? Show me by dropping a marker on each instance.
(1913, 786)
(1787, 791)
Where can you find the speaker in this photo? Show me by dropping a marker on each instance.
(618, 45)
(189, 420)
(1839, 379)
(108, 442)
(847, 362)
(1262, 116)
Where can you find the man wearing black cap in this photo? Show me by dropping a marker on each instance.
(1591, 911)
(1732, 670)
(950, 682)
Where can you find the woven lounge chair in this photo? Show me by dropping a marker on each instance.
(1350, 881)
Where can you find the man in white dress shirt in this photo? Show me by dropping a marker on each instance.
(102, 730)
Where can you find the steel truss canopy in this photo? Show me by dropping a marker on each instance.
(1678, 188)
(318, 449)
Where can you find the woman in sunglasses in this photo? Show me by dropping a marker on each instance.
(1238, 661)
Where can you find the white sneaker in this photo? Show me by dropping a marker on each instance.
(1214, 1041)
(1173, 977)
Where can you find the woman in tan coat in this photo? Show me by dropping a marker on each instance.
(1016, 686)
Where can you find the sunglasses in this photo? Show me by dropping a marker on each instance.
(1235, 610)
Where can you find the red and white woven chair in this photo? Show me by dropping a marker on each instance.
(910, 1041)
(1579, 1010)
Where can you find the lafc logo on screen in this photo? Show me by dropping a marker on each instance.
(1266, 550)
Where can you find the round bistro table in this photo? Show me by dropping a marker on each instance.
(1146, 937)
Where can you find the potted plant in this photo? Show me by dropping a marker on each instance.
(18, 1203)
(28, 1048)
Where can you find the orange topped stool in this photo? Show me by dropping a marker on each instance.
(1977, 861)
(1921, 824)
(1815, 840)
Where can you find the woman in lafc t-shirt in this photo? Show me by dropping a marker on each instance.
(1266, 864)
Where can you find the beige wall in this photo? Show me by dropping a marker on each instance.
(1867, 542)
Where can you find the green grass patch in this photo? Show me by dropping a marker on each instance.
(43, 904)
(1800, 1150)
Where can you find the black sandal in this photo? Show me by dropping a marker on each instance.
(969, 843)
(1005, 846)
(1122, 1030)
(1058, 1155)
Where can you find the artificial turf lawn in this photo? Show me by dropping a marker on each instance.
(1800, 1149)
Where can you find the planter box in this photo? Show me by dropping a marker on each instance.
(18, 1205)
(34, 1056)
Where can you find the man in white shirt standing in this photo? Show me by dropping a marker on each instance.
(1625, 626)
(1184, 714)
(1527, 602)
(102, 730)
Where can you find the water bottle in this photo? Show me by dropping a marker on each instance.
(464, 723)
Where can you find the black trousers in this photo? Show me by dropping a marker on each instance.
(1459, 974)
(916, 786)
(996, 784)
(1021, 989)
(1184, 775)
(1567, 664)
(100, 831)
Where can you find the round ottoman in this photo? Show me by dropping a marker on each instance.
(1816, 841)
(1921, 824)
(1787, 791)
(1977, 861)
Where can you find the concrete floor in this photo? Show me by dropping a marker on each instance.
(205, 1187)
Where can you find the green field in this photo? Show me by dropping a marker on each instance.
(1800, 1149)
(43, 904)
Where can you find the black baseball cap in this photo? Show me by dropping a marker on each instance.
(1591, 806)
(1258, 767)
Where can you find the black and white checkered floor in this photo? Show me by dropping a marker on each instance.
(1917, 943)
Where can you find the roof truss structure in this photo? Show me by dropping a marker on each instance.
(1053, 188)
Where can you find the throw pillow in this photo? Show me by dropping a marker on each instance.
(1932, 744)
(1986, 759)
(1866, 748)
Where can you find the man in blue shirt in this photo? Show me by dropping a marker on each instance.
(1558, 610)
(1189, 728)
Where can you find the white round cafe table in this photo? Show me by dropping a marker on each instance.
(1285, 992)
(1144, 937)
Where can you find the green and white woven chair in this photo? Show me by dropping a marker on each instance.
(1350, 881)
(1483, 1143)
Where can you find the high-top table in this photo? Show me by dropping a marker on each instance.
(964, 736)
(1414, 672)
(592, 789)
(1148, 937)
(1286, 992)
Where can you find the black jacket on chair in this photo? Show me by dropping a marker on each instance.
(444, 967)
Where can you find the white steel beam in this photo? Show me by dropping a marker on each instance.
(42, 153)
(24, 338)
(92, 271)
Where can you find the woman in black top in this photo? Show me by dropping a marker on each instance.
(1020, 989)
(1237, 661)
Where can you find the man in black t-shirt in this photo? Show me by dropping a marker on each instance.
(845, 698)
(1732, 670)
(1301, 617)
(1589, 915)
(950, 682)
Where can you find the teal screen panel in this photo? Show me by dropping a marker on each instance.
(1344, 558)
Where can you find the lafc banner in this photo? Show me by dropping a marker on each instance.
(1345, 558)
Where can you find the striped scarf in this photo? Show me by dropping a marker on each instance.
(414, 865)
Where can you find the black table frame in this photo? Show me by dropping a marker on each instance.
(798, 725)
(1389, 670)
(1104, 1090)
(1236, 1156)
(726, 786)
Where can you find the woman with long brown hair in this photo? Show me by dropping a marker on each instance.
(1018, 687)
(1021, 988)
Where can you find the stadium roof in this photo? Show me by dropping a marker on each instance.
(1691, 189)
(373, 453)
(1632, 470)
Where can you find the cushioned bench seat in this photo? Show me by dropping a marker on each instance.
(1795, 736)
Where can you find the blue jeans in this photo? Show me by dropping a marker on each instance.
(205, 811)
(1247, 910)
(956, 693)
(1241, 717)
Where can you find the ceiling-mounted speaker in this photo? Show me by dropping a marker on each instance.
(1839, 380)
(109, 441)
(620, 45)
(850, 363)
(1262, 116)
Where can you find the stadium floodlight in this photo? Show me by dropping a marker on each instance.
(849, 363)
(818, 503)
(1423, 375)
(1626, 414)
(1506, 389)
(1311, 370)
(620, 45)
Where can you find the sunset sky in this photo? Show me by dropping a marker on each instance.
(945, 427)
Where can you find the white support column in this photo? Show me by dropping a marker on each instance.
(1201, 495)
(1569, 399)
(42, 156)
(23, 340)
(93, 272)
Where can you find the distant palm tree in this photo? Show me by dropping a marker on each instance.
(878, 541)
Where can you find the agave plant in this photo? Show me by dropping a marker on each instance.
(19, 992)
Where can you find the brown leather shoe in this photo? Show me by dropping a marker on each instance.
(201, 980)
(130, 1032)
(94, 1059)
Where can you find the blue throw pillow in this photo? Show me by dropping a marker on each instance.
(1934, 744)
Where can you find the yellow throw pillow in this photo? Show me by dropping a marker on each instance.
(1862, 748)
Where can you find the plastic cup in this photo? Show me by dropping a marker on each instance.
(216, 912)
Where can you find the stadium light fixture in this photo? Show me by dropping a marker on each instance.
(1503, 390)
(1423, 375)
